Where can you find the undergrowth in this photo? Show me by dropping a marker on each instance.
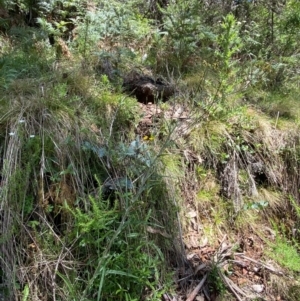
(79, 199)
(92, 210)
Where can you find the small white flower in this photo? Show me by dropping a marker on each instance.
(31, 136)
(22, 121)
(11, 134)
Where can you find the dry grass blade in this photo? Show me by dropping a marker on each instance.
(166, 297)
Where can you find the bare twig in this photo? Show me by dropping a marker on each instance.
(196, 290)
(200, 267)
(234, 288)
(270, 268)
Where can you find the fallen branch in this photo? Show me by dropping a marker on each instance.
(200, 267)
(233, 287)
(196, 290)
(270, 268)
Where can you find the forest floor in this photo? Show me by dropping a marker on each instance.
(247, 274)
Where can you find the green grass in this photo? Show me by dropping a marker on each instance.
(66, 130)
(286, 254)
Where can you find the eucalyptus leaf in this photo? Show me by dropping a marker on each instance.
(100, 151)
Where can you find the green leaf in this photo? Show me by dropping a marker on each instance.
(25, 293)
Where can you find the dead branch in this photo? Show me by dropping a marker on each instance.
(196, 290)
(270, 268)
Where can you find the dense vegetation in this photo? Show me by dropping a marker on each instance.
(105, 198)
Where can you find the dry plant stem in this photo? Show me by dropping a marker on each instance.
(60, 258)
(271, 269)
(166, 297)
(54, 275)
(230, 284)
(113, 120)
(179, 226)
(277, 117)
(196, 290)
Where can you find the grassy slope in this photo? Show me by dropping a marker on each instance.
(221, 180)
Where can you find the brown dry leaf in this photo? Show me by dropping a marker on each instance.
(194, 241)
(146, 121)
(190, 256)
(207, 250)
(194, 224)
(204, 242)
(32, 247)
(191, 214)
(94, 128)
(242, 281)
(225, 249)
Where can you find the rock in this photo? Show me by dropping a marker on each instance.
(258, 288)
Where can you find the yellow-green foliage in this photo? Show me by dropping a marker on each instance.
(208, 137)
(286, 254)
(174, 167)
